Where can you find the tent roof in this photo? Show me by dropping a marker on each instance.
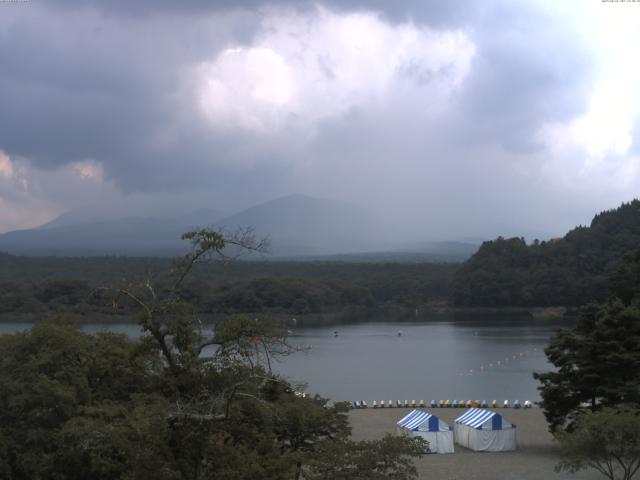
(476, 417)
(417, 419)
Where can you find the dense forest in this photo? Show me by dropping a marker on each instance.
(35, 288)
(569, 271)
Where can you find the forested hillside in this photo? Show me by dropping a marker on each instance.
(569, 271)
(35, 288)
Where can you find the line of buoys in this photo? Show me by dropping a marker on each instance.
(443, 404)
(497, 363)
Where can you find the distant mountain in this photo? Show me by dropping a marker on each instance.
(572, 270)
(84, 216)
(75, 234)
(303, 225)
(296, 225)
(299, 227)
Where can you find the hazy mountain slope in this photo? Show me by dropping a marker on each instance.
(125, 236)
(302, 225)
(298, 226)
(88, 216)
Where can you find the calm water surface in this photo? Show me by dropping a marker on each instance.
(481, 358)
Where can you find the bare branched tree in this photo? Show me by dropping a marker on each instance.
(239, 343)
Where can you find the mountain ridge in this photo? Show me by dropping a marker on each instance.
(299, 227)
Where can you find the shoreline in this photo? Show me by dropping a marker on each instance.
(327, 319)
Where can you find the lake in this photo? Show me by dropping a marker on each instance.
(474, 359)
(482, 358)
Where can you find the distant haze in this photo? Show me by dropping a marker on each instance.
(433, 120)
(297, 226)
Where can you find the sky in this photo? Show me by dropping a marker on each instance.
(443, 119)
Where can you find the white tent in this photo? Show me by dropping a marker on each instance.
(484, 431)
(422, 424)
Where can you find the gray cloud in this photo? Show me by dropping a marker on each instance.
(112, 82)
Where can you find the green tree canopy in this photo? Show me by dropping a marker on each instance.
(607, 441)
(598, 361)
(569, 271)
(182, 403)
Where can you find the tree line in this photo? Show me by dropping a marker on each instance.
(568, 271)
(31, 288)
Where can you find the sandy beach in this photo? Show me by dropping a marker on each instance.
(534, 460)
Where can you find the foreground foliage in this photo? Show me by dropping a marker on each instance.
(592, 399)
(180, 403)
(607, 441)
(597, 362)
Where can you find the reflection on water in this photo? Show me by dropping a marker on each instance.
(462, 359)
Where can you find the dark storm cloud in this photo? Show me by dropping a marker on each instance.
(75, 86)
(108, 81)
(432, 11)
(98, 89)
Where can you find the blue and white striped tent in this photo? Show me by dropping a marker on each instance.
(420, 423)
(484, 430)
